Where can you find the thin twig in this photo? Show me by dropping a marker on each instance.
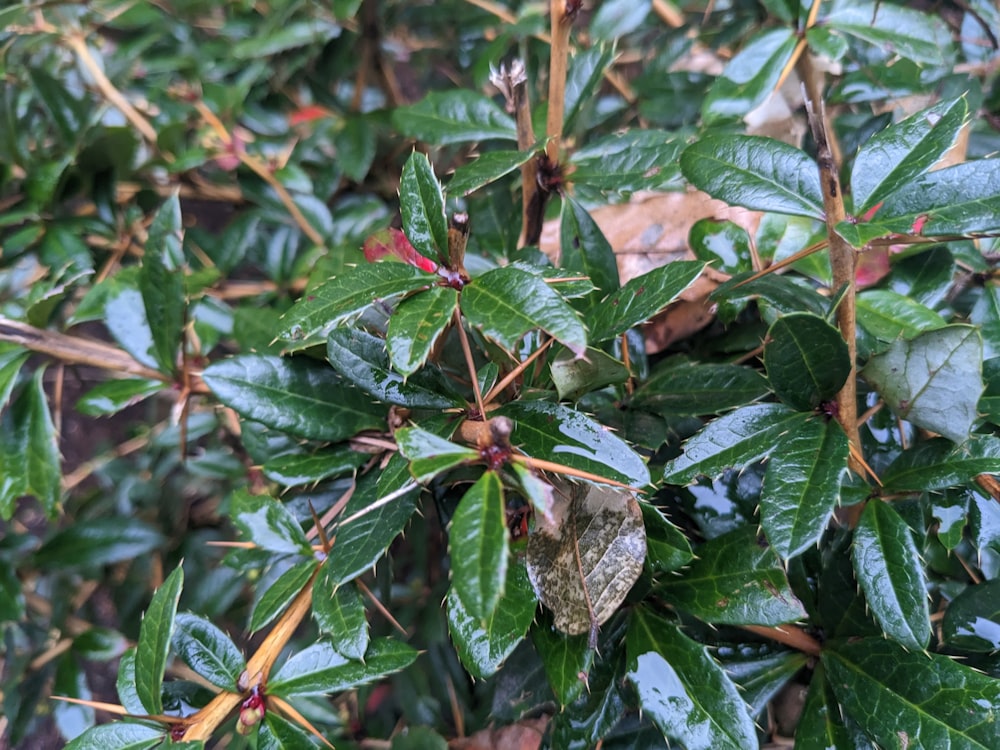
(497, 389)
(470, 363)
(562, 23)
(790, 635)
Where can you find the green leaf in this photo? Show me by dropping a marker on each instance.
(298, 396)
(361, 359)
(574, 377)
(750, 77)
(11, 359)
(421, 203)
(938, 464)
(911, 699)
(888, 315)
(694, 389)
(276, 598)
(682, 689)
(276, 40)
(567, 660)
(891, 159)
(208, 651)
(972, 620)
(293, 469)
(888, 567)
(68, 113)
(277, 733)
(723, 244)
(320, 670)
(933, 380)
(584, 248)
(111, 396)
(479, 547)
(667, 549)
(267, 523)
(154, 642)
(340, 613)
(759, 678)
(586, 71)
(735, 580)
(416, 327)
(119, 735)
(483, 645)
(443, 118)
(162, 284)
(126, 684)
(737, 439)
(821, 723)
(347, 295)
(806, 359)
(29, 451)
(418, 738)
(556, 433)
(641, 298)
(486, 168)
(909, 33)
(802, 485)
(628, 161)
(754, 172)
(430, 455)
(507, 303)
(98, 541)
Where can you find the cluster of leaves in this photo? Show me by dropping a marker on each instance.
(639, 551)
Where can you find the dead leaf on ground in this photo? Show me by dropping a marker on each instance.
(522, 735)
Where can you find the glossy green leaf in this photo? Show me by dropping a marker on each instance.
(806, 359)
(111, 396)
(627, 161)
(755, 172)
(361, 359)
(723, 244)
(275, 599)
(779, 294)
(906, 32)
(911, 699)
(267, 523)
(29, 450)
(416, 327)
(682, 689)
(821, 723)
(889, 315)
(539, 493)
(802, 485)
(119, 735)
(933, 380)
(584, 248)
(68, 113)
(284, 38)
(208, 651)
(567, 660)
(576, 376)
(293, 469)
(298, 396)
(891, 159)
(735, 580)
(154, 642)
(278, 733)
(320, 670)
(641, 298)
(125, 684)
(760, 678)
(586, 72)
(938, 464)
(699, 388)
(162, 284)
(736, 439)
(430, 455)
(667, 547)
(972, 620)
(377, 512)
(584, 562)
(507, 303)
(456, 116)
(347, 295)
(888, 567)
(479, 547)
(556, 433)
(751, 76)
(339, 612)
(483, 645)
(11, 359)
(421, 202)
(99, 541)
(486, 168)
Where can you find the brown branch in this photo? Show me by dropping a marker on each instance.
(790, 635)
(470, 363)
(562, 23)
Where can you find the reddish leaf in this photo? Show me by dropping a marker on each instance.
(393, 242)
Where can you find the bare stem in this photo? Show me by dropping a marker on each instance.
(470, 363)
(562, 22)
(790, 635)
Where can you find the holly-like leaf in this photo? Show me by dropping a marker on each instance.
(567, 660)
(735, 580)
(806, 359)
(429, 454)
(274, 599)
(937, 464)
(416, 327)
(484, 645)
(584, 248)
(750, 76)
(586, 72)
(393, 243)
(125, 684)
(421, 203)
(933, 380)
(583, 564)
(625, 162)
(889, 315)
(911, 699)
(507, 303)
(339, 612)
(920, 37)
(972, 620)
(119, 735)
(821, 724)
(111, 396)
(891, 159)
(479, 547)
(298, 396)
(293, 469)
(162, 284)
(641, 298)
(321, 670)
(454, 116)
(576, 376)
(667, 547)
(682, 689)
(888, 567)
(208, 651)
(695, 389)
(486, 168)
(267, 523)
(154, 642)
(802, 485)
(737, 439)
(361, 358)
(29, 451)
(724, 244)
(277, 733)
(754, 172)
(98, 541)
